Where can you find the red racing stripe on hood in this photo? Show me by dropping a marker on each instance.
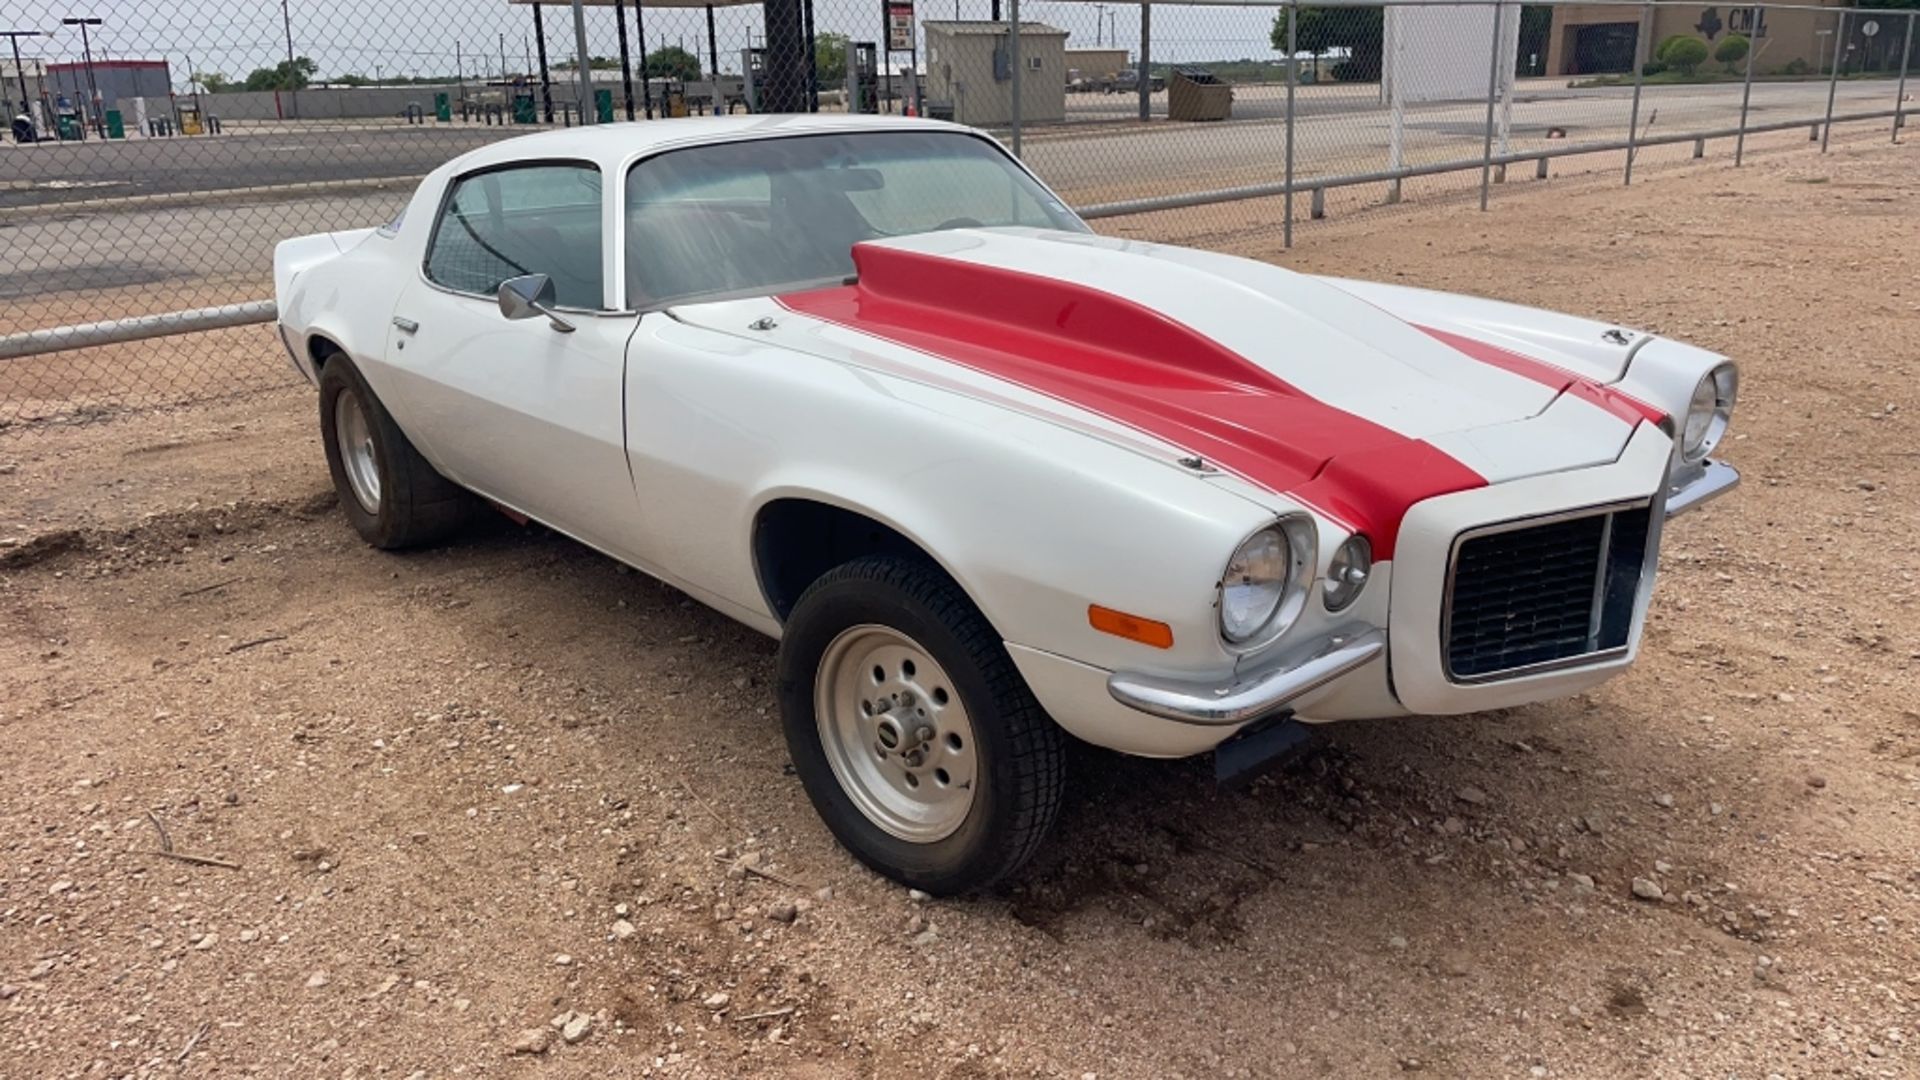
(1133, 365)
(1624, 406)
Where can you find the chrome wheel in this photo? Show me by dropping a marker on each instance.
(357, 457)
(895, 733)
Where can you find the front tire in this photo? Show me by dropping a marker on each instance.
(916, 738)
(392, 496)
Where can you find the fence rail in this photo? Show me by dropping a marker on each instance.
(127, 219)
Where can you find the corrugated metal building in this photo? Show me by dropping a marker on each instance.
(115, 79)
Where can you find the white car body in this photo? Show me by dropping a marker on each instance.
(929, 397)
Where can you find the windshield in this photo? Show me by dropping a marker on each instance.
(769, 215)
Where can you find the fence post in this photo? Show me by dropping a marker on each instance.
(1746, 89)
(1900, 93)
(1833, 79)
(581, 58)
(1642, 49)
(1498, 50)
(1396, 105)
(1013, 57)
(1293, 76)
(1146, 64)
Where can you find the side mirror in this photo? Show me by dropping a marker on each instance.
(529, 296)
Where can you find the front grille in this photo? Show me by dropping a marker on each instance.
(1544, 594)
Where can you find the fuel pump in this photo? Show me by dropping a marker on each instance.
(863, 77)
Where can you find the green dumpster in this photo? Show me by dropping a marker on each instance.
(603, 106)
(116, 125)
(442, 108)
(523, 109)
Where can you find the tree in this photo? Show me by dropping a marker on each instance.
(830, 58)
(215, 83)
(1536, 24)
(672, 62)
(291, 74)
(1682, 52)
(1324, 30)
(1731, 50)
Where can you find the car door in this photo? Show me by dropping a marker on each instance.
(524, 411)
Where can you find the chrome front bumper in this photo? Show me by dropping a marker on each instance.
(1712, 480)
(1271, 689)
(1260, 694)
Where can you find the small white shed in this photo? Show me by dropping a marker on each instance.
(970, 68)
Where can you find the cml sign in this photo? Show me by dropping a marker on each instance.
(1750, 23)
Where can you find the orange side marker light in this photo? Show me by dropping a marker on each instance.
(1132, 627)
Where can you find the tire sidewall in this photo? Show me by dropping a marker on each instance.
(337, 376)
(955, 862)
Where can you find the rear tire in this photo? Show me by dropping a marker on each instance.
(393, 498)
(917, 740)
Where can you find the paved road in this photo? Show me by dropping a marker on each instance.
(105, 260)
(1339, 119)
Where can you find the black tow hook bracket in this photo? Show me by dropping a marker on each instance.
(1249, 755)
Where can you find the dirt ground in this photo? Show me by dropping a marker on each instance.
(470, 794)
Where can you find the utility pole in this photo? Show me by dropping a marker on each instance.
(86, 50)
(19, 69)
(1099, 23)
(286, 22)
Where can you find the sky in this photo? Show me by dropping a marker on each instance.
(422, 37)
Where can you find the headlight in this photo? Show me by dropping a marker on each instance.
(1347, 574)
(1265, 585)
(1709, 412)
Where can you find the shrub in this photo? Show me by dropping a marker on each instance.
(1682, 53)
(1652, 67)
(1355, 70)
(1795, 66)
(1731, 50)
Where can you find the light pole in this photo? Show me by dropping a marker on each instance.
(86, 50)
(19, 69)
(286, 23)
(1099, 22)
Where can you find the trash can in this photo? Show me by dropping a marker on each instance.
(442, 108)
(116, 124)
(1194, 94)
(523, 109)
(67, 126)
(603, 106)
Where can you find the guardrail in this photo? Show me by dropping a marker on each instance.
(169, 324)
(1350, 94)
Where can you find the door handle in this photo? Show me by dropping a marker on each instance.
(406, 325)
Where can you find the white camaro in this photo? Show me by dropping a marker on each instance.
(867, 385)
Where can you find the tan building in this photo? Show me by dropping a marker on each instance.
(1592, 39)
(970, 68)
(1097, 64)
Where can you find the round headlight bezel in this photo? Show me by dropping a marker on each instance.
(1292, 538)
(1711, 408)
(1353, 557)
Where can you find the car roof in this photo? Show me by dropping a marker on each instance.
(610, 145)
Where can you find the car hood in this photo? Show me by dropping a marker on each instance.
(1289, 382)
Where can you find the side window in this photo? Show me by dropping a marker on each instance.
(529, 219)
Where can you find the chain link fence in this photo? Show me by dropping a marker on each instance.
(158, 152)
